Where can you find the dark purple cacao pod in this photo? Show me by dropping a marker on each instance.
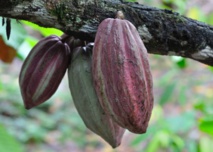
(43, 70)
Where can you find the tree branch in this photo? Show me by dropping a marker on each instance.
(164, 32)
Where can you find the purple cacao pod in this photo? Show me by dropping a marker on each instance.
(43, 70)
(121, 74)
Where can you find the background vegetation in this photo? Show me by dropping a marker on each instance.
(182, 119)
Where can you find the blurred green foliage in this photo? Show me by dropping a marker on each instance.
(8, 143)
(182, 118)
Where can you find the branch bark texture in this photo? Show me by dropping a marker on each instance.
(164, 32)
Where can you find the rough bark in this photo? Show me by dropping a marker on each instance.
(164, 32)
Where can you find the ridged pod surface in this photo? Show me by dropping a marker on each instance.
(86, 101)
(121, 74)
(43, 70)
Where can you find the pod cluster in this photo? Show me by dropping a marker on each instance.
(111, 83)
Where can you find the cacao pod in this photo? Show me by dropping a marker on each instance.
(121, 74)
(86, 101)
(43, 70)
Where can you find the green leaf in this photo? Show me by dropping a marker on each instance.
(178, 143)
(8, 143)
(191, 146)
(181, 6)
(180, 61)
(167, 77)
(205, 144)
(160, 140)
(206, 125)
(200, 105)
(182, 95)
(1, 86)
(181, 123)
(197, 14)
(210, 19)
(140, 138)
(167, 93)
(182, 64)
(210, 68)
(44, 31)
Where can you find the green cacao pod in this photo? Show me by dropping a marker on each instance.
(43, 70)
(121, 74)
(86, 101)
